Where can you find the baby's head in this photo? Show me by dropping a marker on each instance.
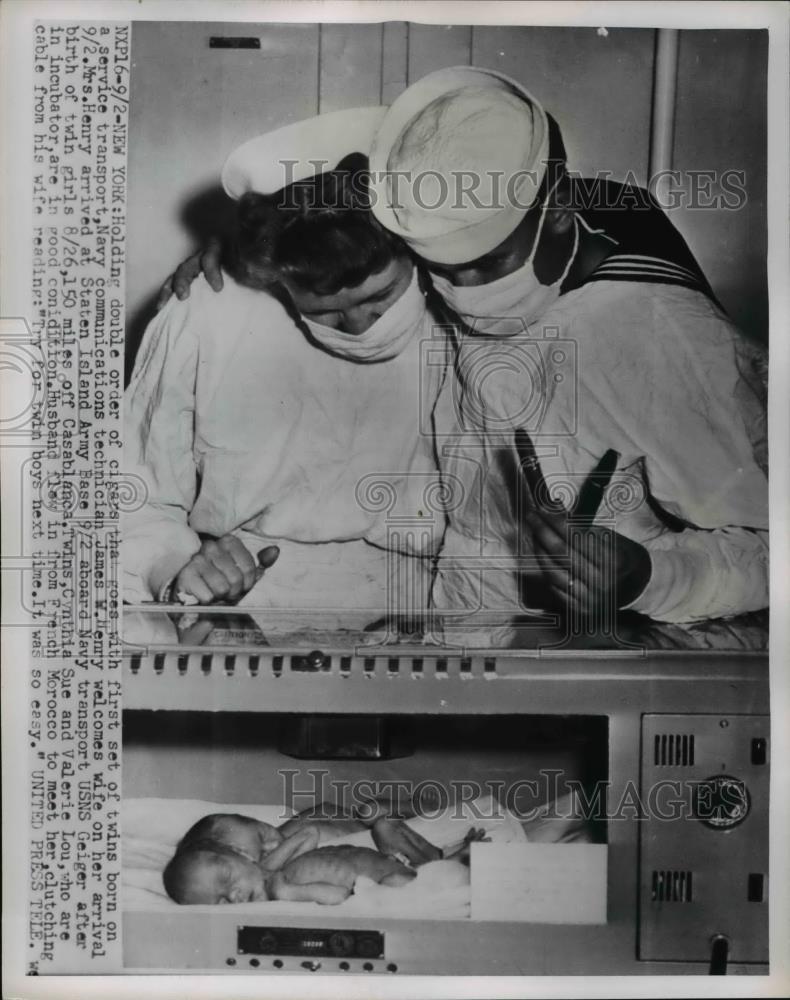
(246, 836)
(213, 875)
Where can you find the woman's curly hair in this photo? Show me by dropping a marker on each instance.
(318, 233)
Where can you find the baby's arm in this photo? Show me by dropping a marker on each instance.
(305, 839)
(361, 817)
(322, 810)
(311, 892)
(332, 820)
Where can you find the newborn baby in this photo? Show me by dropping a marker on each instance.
(235, 859)
(254, 840)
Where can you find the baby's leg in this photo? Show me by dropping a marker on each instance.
(311, 892)
(385, 870)
(398, 878)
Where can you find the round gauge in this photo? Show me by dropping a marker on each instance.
(368, 947)
(721, 802)
(341, 943)
(267, 943)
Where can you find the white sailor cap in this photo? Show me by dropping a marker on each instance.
(298, 151)
(457, 161)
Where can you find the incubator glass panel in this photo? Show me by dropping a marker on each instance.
(503, 815)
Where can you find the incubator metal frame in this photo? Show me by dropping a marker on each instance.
(722, 696)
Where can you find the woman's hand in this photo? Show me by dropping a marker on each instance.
(461, 852)
(223, 570)
(205, 261)
(394, 837)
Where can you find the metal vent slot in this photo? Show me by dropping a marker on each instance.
(755, 887)
(441, 668)
(369, 666)
(673, 750)
(277, 665)
(205, 663)
(416, 667)
(230, 665)
(671, 886)
(393, 666)
(345, 666)
(159, 663)
(489, 667)
(254, 665)
(233, 42)
(182, 664)
(134, 663)
(466, 667)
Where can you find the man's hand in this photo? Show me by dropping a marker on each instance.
(394, 837)
(589, 570)
(206, 261)
(223, 570)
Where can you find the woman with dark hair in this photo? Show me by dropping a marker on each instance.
(299, 418)
(316, 236)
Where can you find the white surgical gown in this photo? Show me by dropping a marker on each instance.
(236, 423)
(655, 372)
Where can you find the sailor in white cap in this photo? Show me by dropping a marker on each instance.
(630, 353)
(289, 410)
(469, 170)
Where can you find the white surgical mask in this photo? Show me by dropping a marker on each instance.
(500, 308)
(386, 338)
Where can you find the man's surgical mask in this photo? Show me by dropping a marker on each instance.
(385, 339)
(503, 307)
